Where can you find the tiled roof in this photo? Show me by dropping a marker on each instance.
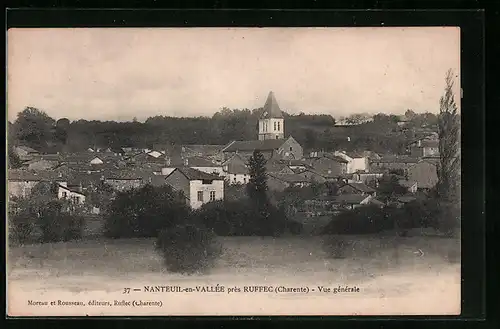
(271, 108)
(250, 146)
(193, 174)
(127, 174)
(295, 162)
(28, 175)
(406, 199)
(350, 198)
(68, 188)
(196, 161)
(276, 166)
(335, 158)
(430, 143)
(236, 165)
(201, 150)
(395, 159)
(406, 183)
(289, 178)
(27, 149)
(361, 187)
(376, 202)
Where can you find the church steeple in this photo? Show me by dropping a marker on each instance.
(271, 122)
(271, 108)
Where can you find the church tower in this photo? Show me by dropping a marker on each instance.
(271, 122)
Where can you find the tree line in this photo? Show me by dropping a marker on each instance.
(36, 129)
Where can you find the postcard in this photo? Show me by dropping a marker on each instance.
(233, 171)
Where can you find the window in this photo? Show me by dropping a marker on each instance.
(64, 195)
(291, 149)
(200, 196)
(275, 126)
(278, 126)
(277, 137)
(245, 180)
(212, 195)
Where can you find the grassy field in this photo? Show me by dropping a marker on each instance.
(408, 276)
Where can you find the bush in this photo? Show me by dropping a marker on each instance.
(294, 227)
(371, 219)
(56, 225)
(21, 228)
(241, 218)
(362, 220)
(144, 212)
(188, 248)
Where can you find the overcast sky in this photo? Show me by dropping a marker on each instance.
(118, 74)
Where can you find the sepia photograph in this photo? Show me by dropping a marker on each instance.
(233, 171)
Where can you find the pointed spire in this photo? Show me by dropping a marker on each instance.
(271, 108)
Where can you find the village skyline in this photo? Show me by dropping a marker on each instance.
(104, 74)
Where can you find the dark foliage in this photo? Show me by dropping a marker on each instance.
(241, 218)
(448, 186)
(56, 225)
(372, 219)
(257, 184)
(36, 129)
(21, 227)
(13, 160)
(188, 248)
(144, 212)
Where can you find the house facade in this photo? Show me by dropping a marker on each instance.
(236, 170)
(327, 165)
(198, 187)
(355, 161)
(74, 195)
(424, 174)
(205, 165)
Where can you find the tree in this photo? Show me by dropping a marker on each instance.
(410, 114)
(61, 133)
(448, 187)
(257, 184)
(269, 219)
(13, 159)
(34, 128)
(389, 187)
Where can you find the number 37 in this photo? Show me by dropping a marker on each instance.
(126, 290)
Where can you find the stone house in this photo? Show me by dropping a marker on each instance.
(236, 170)
(357, 188)
(327, 164)
(393, 163)
(411, 186)
(271, 148)
(123, 180)
(198, 187)
(356, 161)
(73, 194)
(205, 165)
(21, 182)
(279, 182)
(424, 174)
